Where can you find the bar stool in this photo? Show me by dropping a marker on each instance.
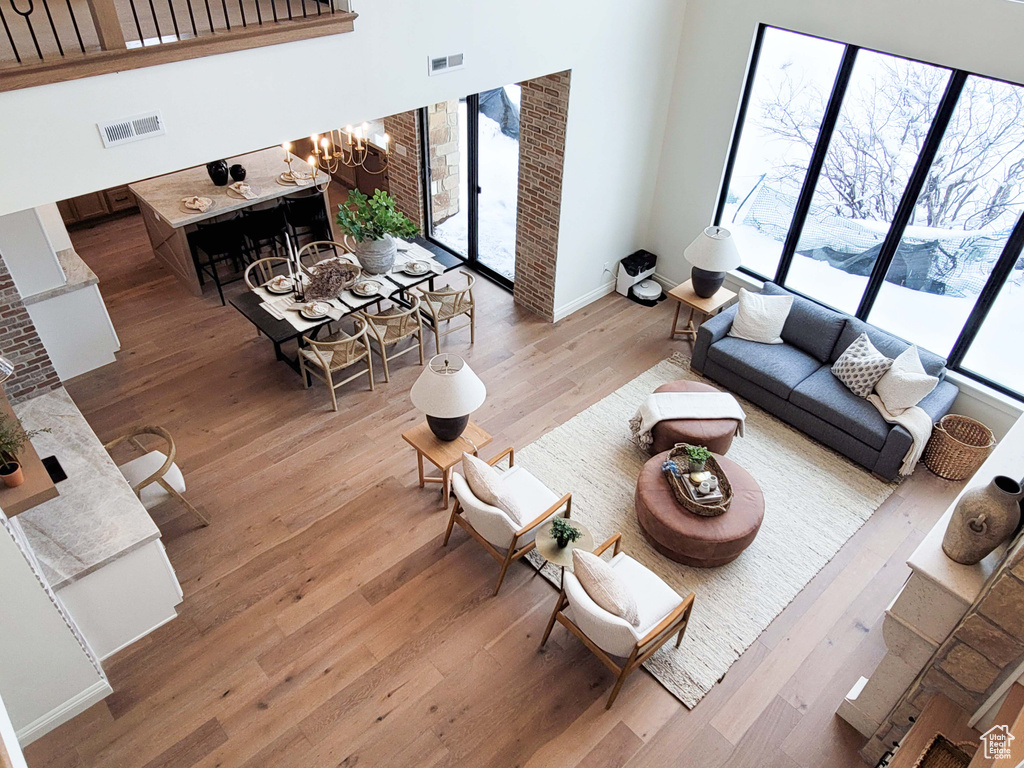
(266, 229)
(215, 244)
(307, 218)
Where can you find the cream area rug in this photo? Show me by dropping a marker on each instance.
(815, 500)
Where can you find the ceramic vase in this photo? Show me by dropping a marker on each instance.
(237, 172)
(218, 171)
(983, 519)
(377, 256)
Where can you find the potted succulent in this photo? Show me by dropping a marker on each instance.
(12, 441)
(698, 456)
(374, 223)
(563, 532)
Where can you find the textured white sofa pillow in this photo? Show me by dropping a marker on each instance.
(605, 586)
(760, 318)
(905, 384)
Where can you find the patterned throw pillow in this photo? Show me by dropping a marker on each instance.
(861, 366)
(605, 587)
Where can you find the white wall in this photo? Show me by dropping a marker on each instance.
(621, 57)
(980, 36)
(28, 253)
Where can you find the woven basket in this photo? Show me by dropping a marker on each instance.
(957, 447)
(678, 456)
(942, 753)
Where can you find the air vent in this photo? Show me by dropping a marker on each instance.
(438, 65)
(131, 129)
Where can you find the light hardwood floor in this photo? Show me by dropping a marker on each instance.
(324, 625)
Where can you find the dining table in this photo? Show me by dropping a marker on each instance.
(278, 319)
(168, 221)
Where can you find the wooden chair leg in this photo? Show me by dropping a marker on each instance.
(419, 338)
(384, 359)
(551, 621)
(330, 386)
(203, 519)
(472, 326)
(437, 337)
(618, 685)
(679, 638)
(369, 368)
(302, 371)
(451, 523)
(504, 568)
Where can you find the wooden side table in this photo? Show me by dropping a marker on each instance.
(684, 295)
(443, 455)
(562, 556)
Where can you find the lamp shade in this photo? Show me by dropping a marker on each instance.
(714, 250)
(448, 388)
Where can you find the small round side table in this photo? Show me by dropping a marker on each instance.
(562, 556)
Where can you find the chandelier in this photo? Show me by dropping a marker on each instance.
(349, 147)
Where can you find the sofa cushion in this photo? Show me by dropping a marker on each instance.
(810, 327)
(760, 318)
(777, 368)
(885, 343)
(826, 397)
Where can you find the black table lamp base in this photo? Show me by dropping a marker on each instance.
(447, 429)
(706, 283)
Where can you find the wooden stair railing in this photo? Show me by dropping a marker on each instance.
(50, 44)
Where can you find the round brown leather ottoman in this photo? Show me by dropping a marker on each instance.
(714, 434)
(680, 535)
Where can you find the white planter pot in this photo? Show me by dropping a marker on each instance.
(377, 256)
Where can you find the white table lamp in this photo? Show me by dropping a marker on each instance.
(711, 255)
(447, 392)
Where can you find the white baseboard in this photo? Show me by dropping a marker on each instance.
(74, 706)
(588, 298)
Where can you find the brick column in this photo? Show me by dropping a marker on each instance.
(405, 176)
(985, 647)
(542, 118)
(20, 342)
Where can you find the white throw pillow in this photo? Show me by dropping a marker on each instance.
(760, 318)
(605, 586)
(861, 366)
(483, 479)
(906, 383)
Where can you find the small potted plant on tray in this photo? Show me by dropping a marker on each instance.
(698, 456)
(374, 223)
(563, 532)
(12, 441)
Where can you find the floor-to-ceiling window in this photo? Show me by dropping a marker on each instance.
(471, 169)
(888, 188)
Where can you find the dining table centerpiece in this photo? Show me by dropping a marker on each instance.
(374, 223)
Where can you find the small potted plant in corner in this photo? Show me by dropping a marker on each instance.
(563, 532)
(374, 223)
(698, 456)
(12, 441)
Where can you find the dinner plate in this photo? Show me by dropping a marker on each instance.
(285, 288)
(363, 294)
(312, 316)
(408, 268)
(239, 196)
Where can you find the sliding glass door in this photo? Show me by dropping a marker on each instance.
(471, 169)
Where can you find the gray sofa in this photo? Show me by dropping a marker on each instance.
(794, 380)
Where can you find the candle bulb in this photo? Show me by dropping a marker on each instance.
(348, 135)
(312, 167)
(387, 139)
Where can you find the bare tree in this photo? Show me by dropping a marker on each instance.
(977, 175)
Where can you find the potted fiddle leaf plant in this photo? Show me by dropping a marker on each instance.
(12, 441)
(698, 456)
(563, 532)
(373, 222)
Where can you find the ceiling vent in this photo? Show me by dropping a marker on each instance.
(131, 129)
(439, 65)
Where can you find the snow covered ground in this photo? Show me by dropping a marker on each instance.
(499, 184)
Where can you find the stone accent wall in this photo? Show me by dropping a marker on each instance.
(405, 177)
(984, 648)
(542, 119)
(443, 125)
(20, 342)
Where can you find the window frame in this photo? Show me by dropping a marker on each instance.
(1001, 271)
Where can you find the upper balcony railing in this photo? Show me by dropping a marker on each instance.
(47, 41)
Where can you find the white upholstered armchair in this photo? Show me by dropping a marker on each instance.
(662, 613)
(504, 539)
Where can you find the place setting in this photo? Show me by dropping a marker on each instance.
(196, 204)
(240, 190)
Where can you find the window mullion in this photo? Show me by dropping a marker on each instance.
(1000, 274)
(828, 125)
(908, 202)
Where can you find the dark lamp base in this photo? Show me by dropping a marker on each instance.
(706, 283)
(447, 429)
